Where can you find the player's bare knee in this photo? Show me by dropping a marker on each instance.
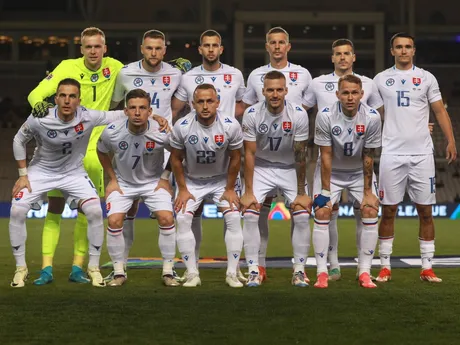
(115, 221)
(164, 218)
(425, 213)
(132, 212)
(389, 212)
(56, 204)
(323, 213)
(369, 212)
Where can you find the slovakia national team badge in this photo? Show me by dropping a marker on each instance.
(106, 72)
(219, 139)
(416, 81)
(150, 145)
(79, 128)
(108, 206)
(381, 194)
(18, 196)
(293, 76)
(287, 126)
(227, 78)
(360, 129)
(166, 80)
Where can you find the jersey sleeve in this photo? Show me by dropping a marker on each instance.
(248, 126)
(301, 129)
(250, 94)
(433, 92)
(323, 130)
(102, 118)
(181, 92)
(103, 144)
(48, 86)
(375, 100)
(374, 133)
(241, 88)
(176, 140)
(22, 137)
(236, 137)
(309, 97)
(119, 90)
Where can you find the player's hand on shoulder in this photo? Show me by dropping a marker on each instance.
(181, 200)
(248, 200)
(41, 109)
(322, 200)
(164, 126)
(232, 198)
(164, 184)
(370, 200)
(21, 183)
(113, 186)
(302, 202)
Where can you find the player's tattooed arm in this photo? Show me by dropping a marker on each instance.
(300, 157)
(326, 167)
(368, 168)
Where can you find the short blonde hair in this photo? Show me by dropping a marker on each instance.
(92, 31)
(277, 30)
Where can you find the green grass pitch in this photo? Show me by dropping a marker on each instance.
(404, 311)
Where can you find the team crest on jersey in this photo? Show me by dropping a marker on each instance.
(360, 129)
(390, 82)
(336, 130)
(79, 128)
(106, 73)
(166, 80)
(193, 139)
(199, 80)
(94, 77)
(219, 139)
(416, 81)
(149, 146)
(18, 196)
(108, 206)
(227, 78)
(138, 82)
(49, 76)
(329, 86)
(293, 76)
(381, 194)
(263, 128)
(262, 78)
(123, 145)
(51, 134)
(287, 126)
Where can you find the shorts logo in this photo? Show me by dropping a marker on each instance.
(336, 130)
(94, 77)
(293, 76)
(106, 73)
(138, 82)
(166, 80)
(219, 139)
(287, 126)
(263, 128)
(360, 129)
(108, 206)
(51, 134)
(150, 145)
(390, 82)
(49, 76)
(329, 86)
(79, 128)
(227, 78)
(123, 145)
(416, 81)
(18, 196)
(193, 139)
(381, 194)
(199, 80)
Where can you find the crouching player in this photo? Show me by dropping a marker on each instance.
(138, 147)
(206, 159)
(347, 132)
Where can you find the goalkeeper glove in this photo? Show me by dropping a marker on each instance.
(41, 109)
(322, 199)
(181, 64)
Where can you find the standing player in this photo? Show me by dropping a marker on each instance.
(275, 144)
(322, 93)
(62, 138)
(206, 160)
(97, 75)
(229, 84)
(407, 160)
(137, 145)
(277, 45)
(347, 133)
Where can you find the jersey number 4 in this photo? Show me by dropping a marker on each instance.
(155, 100)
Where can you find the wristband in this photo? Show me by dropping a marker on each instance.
(165, 175)
(22, 172)
(325, 192)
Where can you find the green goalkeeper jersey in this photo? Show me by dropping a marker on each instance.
(96, 86)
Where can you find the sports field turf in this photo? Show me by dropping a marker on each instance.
(404, 311)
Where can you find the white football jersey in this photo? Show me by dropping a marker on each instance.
(206, 148)
(159, 85)
(407, 96)
(227, 80)
(138, 158)
(275, 134)
(322, 91)
(61, 145)
(297, 81)
(348, 136)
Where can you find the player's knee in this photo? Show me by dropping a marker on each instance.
(389, 212)
(134, 208)
(425, 213)
(369, 212)
(56, 204)
(251, 216)
(184, 222)
(115, 221)
(164, 218)
(232, 220)
(18, 212)
(92, 209)
(323, 213)
(335, 207)
(300, 217)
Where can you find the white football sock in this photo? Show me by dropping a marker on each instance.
(359, 228)
(369, 239)
(167, 244)
(385, 250)
(128, 234)
(93, 212)
(197, 229)
(251, 237)
(321, 243)
(233, 239)
(263, 231)
(186, 241)
(427, 253)
(300, 239)
(18, 232)
(116, 249)
(332, 254)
